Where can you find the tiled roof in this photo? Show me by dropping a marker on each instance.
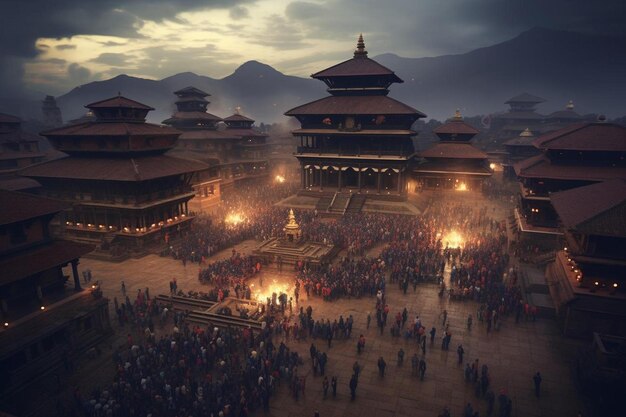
(453, 150)
(191, 91)
(458, 127)
(540, 167)
(597, 209)
(111, 129)
(192, 115)
(238, 118)
(7, 118)
(141, 168)
(16, 207)
(525, 98)
(585, 137)
(360, 66)
(40, 258)
(119, 101)
(356, 105)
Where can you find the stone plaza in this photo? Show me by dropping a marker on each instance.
(513, 354)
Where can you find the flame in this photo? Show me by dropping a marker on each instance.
(262, 294)
(453, 239)
(461, 187)
(234, 219)
(280, 179)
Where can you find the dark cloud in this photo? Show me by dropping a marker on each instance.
(55, 61)
(64, 47)
(238, 12)
(22, 22)
(78, 73)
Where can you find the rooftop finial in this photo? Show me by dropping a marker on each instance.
(457, 115)
(526, 133)
(360, 48)
(238, 110)
(570, 105)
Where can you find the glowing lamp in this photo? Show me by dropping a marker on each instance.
(615, 285)
(42, 308)
(492, 166)
(6, 324)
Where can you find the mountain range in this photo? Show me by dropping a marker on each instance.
(556, 65)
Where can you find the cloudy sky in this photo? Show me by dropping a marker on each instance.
(53, 45)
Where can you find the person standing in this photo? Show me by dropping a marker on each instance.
(414, 364)
(353, 383)
(400, 357)
(460, 351)
(422, 368)
(537, 381)
(333, 384)
(433, 331)
(381, 366)
(123, 289)
(325, 386)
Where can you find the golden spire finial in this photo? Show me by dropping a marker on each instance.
(457, 115)
(570, 105)
(526, 133)
(360, 48)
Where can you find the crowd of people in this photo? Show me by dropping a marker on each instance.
(196, 371)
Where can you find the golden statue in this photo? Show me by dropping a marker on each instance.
(292, 228)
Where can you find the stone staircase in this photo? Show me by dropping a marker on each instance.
(323, 203)
(356, 204)
(339, 203)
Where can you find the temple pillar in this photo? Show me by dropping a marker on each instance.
(77, 286)
(378, 180)
(359, 179)
(399, 182)
(339, 180)
(321, 178)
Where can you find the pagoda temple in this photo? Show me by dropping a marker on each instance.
(126, 193)
(46, 315)
(575, 156)
(517, 149)
(453, 162)
(358, 139)
(236, 153)
(18, 149)
(587, 279)
(51, 113)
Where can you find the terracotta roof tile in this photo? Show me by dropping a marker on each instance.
(540, 167)
(238, 118)
(360, 66)
(453, 150)
(598, 208)
(119, 101)
(113, 169)
(192, 115)
(357, 105)
(7, 118)
(191, 91)
(16, 207)
(39, 259)
(111, 129)
(585, 137)
(458, 127)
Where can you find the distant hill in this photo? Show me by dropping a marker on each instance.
(556, 65)
(262, 92)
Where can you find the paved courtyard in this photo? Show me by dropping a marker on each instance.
(513, 354)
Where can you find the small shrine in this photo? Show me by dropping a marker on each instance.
(292, 228)
(293, 247)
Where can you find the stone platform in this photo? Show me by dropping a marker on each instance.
(292, 252)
